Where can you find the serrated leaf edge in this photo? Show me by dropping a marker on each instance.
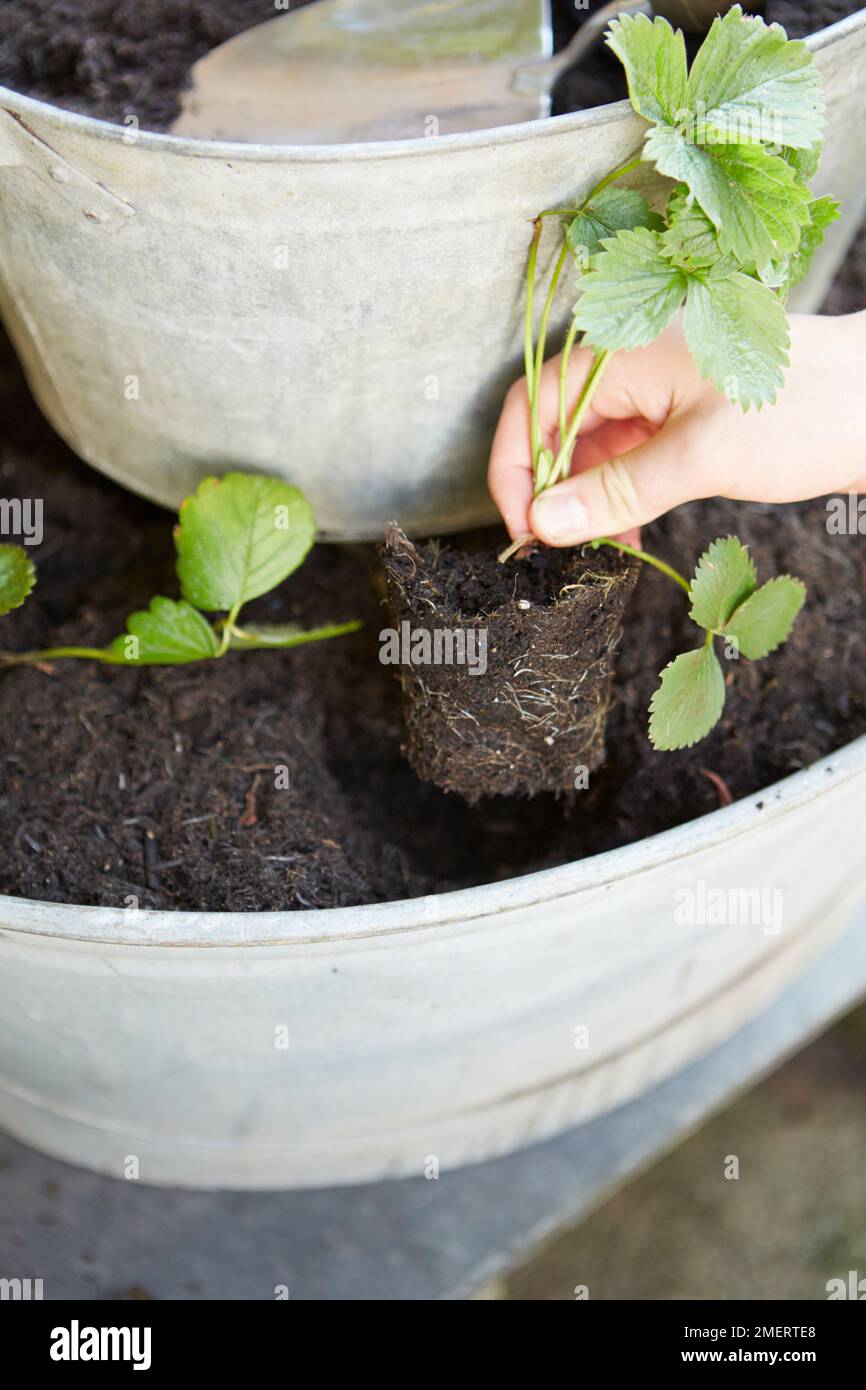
(30, 580)
(725, 632)
(705, 556)
(677, 747)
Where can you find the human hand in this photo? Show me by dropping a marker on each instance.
(657, 435)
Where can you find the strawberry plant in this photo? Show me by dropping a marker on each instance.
(740, 135)
(726, 602)
(237, 538)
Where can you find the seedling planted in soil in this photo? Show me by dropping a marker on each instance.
(727, 603)
(237, 538)
(740, 136)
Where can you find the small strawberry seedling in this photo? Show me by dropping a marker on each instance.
(740, 134)
(727, 603)
(237, 538)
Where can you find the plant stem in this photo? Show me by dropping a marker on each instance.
(528, 334)
(564, 456)
(615, 174)
(254, 638)
(644, 555)
(58, 654)
(566, 445)
(612, 177)
(230, 636)
(539, 353)
(563, 378)
(513, 548)
(228, 628)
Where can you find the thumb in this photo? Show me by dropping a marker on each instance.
(618, 495)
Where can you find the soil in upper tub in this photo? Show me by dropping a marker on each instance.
(119, 58)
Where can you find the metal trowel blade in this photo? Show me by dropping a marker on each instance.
(355, 70)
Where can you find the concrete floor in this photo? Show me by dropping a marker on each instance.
(794, 1218)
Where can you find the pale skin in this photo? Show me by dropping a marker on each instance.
(657, 435)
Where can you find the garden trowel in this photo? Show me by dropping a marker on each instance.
(340, 71)
(357, 70)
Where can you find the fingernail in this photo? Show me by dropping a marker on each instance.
(560, 517)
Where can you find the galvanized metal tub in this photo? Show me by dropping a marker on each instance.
(306, 1049)
(347, 316)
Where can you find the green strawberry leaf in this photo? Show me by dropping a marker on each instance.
(17, 577)
(775, 277)
(737, 332)
(725, 576)
(752, 198)
(630, 293)
(749, 82)
(168, 633)
(804, 162)
(822, 213)
(238, 537)
(654, 57)
(764, 620)
(282, 635)
(690, 241)
(612, 210)
(689, 700)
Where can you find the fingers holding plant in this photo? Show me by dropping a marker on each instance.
(630, 404)
(632, 459)
(662, 436)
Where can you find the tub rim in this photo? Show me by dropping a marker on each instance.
(164, 142)
(472, 907)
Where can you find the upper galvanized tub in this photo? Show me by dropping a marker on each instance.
(311, 1048)
(347, 316)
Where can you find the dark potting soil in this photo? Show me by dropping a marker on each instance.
(114, 58)
(523, 707)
